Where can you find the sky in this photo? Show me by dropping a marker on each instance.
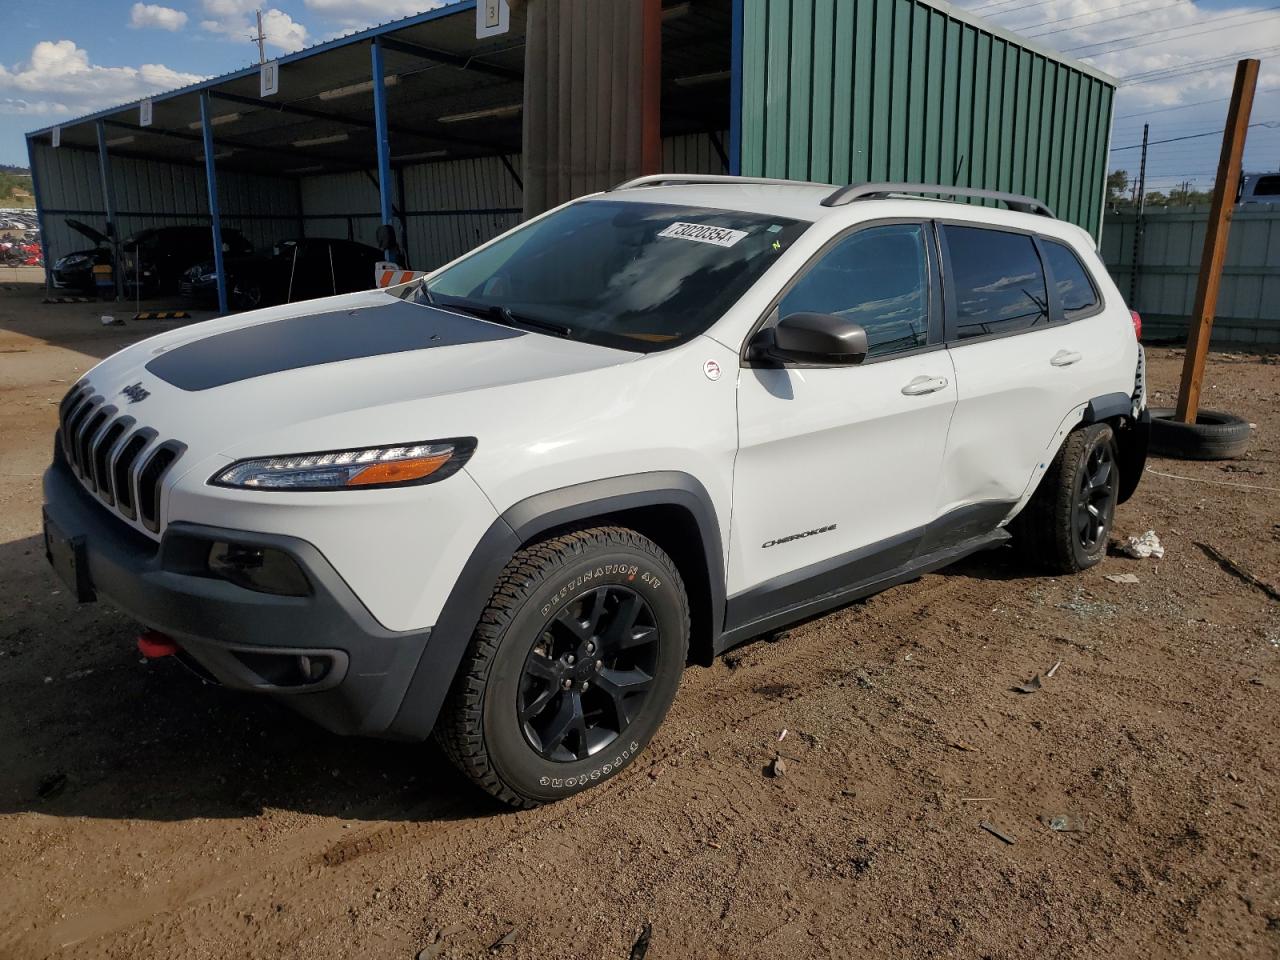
(60, 59)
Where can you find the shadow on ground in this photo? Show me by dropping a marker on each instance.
(87, 729)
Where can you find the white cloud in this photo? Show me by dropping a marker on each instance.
(59, 79)
(1153, 35)
(357, 14)
(154, 15)
(233, 19)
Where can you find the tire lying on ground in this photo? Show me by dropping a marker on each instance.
(1214, 436)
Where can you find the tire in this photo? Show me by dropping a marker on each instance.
(246, 296)
(1056, 530)
(509, 723)
(1214, 435)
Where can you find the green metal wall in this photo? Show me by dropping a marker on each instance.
(845, 91)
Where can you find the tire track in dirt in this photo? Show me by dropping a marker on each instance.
(709, 704)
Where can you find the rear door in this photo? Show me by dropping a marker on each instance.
(1023, 361)
(837, 467)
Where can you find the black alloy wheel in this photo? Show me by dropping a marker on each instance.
(1095, 501)
(589, 675)
(1065, 526)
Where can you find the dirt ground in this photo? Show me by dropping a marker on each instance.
(143, 814)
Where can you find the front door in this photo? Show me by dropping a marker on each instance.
(837, 467)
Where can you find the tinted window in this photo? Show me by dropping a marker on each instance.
(878, 278)
(630, 274)
(1267, 187)
(997, 281)
(1075, 289)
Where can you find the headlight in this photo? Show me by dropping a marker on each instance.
(208, 277)
(366, 468)
(75, 260)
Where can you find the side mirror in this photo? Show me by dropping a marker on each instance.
(811, 338)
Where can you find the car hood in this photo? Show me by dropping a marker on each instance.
(84, 229)
(352, 370)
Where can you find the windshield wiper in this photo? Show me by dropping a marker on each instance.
(499, 314)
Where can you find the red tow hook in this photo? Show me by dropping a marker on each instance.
(153, 644)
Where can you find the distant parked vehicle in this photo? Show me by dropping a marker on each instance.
(75, 269)
(1260, 188)
(158, 259)
(299, 269)
(154, 259)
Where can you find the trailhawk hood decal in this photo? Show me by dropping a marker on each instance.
(307, 341)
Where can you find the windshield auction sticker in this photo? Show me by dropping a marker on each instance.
(703, 233)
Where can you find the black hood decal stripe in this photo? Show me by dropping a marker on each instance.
(394, 327)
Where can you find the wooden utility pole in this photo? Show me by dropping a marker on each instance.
(1215, 240)
(261, 38)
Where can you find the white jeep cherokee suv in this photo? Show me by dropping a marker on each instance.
(510, 501)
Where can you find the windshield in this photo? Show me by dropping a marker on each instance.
(639, 276)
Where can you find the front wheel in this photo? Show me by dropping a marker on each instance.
(1067, 523)
(572, 667)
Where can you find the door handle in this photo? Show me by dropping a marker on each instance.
(921, 385)
(1065, 358)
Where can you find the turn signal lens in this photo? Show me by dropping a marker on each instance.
(369, 467)
(400, 471)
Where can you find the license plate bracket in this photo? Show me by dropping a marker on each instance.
(69, 559)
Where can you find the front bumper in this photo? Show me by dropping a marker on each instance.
(240, 637)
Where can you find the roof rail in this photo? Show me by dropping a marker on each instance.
(673, 179)
(882, 191)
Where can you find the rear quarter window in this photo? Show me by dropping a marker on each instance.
(1077, 292)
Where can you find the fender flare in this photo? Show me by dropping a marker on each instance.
(525, 521)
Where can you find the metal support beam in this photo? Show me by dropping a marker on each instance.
(44, 233)
(215, 217)
(511, 170)
(451, 59)
(738, 25)
(360, 122)
(292, 153)
(385, 188)
(109, 202)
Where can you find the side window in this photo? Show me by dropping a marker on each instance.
(877, 277)
(1267, 187)
(1076, 291)
(997, 280)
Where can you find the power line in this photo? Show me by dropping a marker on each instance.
(1194, 66)
(1196, 136)
(1184, 106)
(1004, 3)
(1196, 28)
(1079, 26)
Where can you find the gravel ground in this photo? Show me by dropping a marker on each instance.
(143, 814)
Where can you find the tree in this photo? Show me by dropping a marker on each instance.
(1117, 186)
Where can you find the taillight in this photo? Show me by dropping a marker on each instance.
(1137, 324)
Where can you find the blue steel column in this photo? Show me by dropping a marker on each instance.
(44, 234)
(109, 201)
(384, 139)
(738, 23)
(215, 217)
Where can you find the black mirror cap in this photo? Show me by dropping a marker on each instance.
(820, 339)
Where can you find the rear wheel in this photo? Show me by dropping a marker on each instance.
(1066, 525)
(572, 667)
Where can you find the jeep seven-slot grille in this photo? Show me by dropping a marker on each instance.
(114, 458)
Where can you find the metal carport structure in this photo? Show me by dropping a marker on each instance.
(418, 123)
